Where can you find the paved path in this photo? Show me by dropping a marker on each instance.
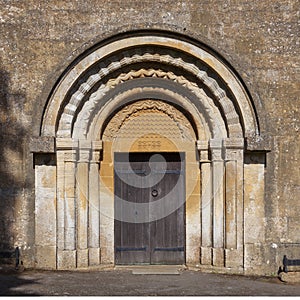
(123, 282)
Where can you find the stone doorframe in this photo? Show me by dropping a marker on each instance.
(220, 116)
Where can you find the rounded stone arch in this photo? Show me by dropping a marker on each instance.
(234, 104)
(165, 73)
(207, 124)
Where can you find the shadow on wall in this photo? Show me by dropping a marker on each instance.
(11, 164)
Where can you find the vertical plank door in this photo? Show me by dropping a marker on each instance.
(132, 239)
(168, 234)
(159, 187)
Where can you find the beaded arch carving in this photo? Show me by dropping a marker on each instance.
(197, 79)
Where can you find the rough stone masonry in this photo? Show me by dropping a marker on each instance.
(224, 79)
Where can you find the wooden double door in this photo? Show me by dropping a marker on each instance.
(149, 226)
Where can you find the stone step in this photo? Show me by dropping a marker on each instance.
(154, 269)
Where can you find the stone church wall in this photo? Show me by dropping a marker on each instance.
(259, 39)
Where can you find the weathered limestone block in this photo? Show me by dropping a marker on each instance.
(107, 254)
(255, 142)
(253, 258)
(45, 216)
(254, 203)
(218, 257)
(234, 198)
(231, 205)
(94, 207)
(193, 229)
(60, 209)
(206, 255)
(45, 257)
(82, 205)
(206, 206)
(82, 258)
(233, 258)
(218, 204)
(254, 214)
(94, 256)
(45, 144)
(66, 259)
(192, 254)
(106, 225)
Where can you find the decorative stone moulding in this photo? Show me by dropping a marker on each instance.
(97, 124)
(241, 100)
(94, 102)
(151, 107)
(227, 107)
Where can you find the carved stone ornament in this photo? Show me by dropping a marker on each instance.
(148, 106)
(202, 76)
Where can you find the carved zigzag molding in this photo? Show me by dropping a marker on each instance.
(75, 100)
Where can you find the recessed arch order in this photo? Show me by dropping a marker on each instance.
(220, 94)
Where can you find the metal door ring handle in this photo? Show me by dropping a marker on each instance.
(154, 193)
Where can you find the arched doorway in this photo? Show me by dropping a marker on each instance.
(144, 95)
(151, 145)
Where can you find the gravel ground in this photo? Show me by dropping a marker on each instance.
(124, 283)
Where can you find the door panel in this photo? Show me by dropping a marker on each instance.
(131, 239)
(136, 182)
(167, 234)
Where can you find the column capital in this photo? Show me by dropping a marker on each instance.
(234, 149)
(85, 144)
(234, 143)
(97, 145)
(216, 149)
(95, 159)
(202, 145)
(215, 143)
(66, 143)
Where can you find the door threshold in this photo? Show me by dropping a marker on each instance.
(152, 269)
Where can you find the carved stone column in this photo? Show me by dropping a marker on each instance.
(77, 203)
(218, 201)
(94, 205)
(206, 203)
(234, 215)
(66, 156)
(70, 199)
(82, 191)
